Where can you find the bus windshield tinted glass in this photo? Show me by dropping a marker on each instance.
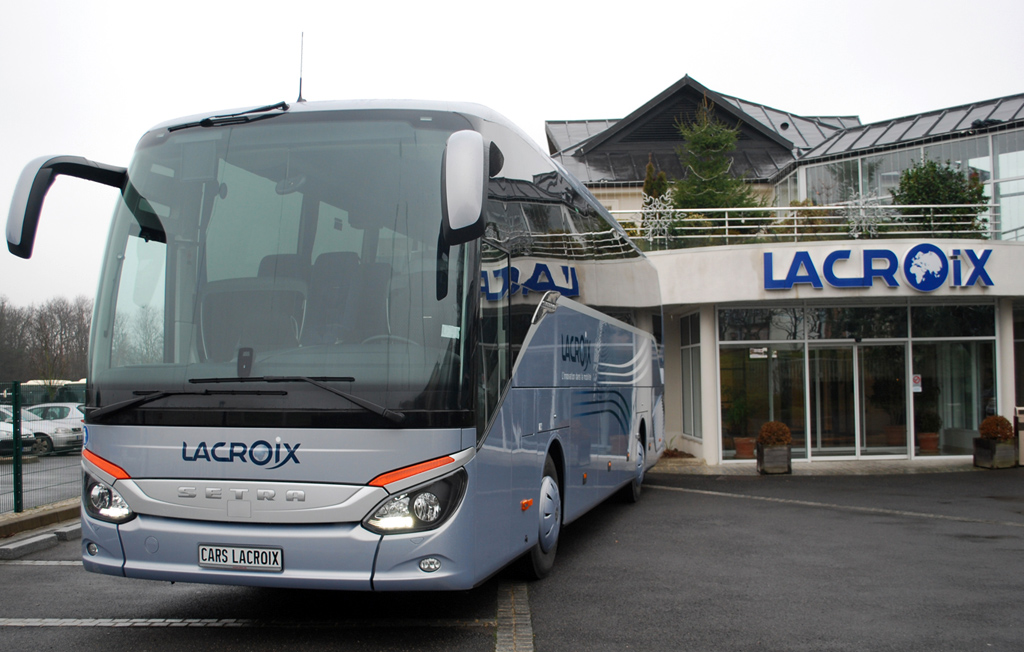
(306, 245)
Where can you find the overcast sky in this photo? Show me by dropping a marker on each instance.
(88, 78)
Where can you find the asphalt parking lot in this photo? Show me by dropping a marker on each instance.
(704, 562)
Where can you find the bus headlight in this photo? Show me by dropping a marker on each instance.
(421, 508)
(104, 502)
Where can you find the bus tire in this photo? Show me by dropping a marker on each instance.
(635, 488)
(541, 558)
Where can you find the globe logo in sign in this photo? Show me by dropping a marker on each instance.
(925, 267)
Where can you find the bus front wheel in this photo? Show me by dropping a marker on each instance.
(541, 558)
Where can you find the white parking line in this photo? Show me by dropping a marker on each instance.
(513, 621)
(515, 625)
(243, 622)
(848, 508)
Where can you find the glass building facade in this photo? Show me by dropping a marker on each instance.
(995, 159)
(858, 381)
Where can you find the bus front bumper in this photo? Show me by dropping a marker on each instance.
(343, 556)
(334, 556)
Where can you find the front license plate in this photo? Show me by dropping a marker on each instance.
(270, 560)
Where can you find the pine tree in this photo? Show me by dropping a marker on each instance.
(707, 162)
(655, 183)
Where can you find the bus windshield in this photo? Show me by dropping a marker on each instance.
(304, 246)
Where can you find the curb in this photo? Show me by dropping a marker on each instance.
(27, 546)
(38, 517)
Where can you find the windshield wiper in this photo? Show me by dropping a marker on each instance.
(251, 115)
(370, 406)
(113, 408)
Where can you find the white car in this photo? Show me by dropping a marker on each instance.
(67, 415)
(50, 434)
(28, 440)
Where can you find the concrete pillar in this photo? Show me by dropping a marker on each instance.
(710, 408)
(1004, 358)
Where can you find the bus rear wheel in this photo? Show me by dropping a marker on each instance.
(635, 488)
(541, 558)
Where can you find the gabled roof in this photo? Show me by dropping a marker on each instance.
(565, 133)
(665, 109)
(617, 151)
(980, 116)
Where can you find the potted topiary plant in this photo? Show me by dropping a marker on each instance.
(736, 420)
(928, 433)
(774, 448)
(996, 448)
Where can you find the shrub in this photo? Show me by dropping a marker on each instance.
(774, 433)
(930, 421)
(929, 182)
(996, 427)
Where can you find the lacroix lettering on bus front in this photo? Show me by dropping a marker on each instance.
(260, 453)
(925, 267)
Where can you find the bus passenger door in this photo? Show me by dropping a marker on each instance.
(496, 432)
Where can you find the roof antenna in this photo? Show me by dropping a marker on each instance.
(302, 45)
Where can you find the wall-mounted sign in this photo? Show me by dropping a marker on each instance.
(925, 267)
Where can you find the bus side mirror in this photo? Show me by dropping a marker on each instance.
(464, 173)
(35, 182)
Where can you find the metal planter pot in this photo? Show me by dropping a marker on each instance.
(774, 459)
(995, 454)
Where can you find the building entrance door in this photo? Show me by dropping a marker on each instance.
(858, 400)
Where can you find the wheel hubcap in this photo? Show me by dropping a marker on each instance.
(550, 513)
(639, 461)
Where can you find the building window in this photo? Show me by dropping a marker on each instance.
(1018, 352)
(856, 323)
(833, 183)
(764, 324)
(690, 356)
(761, 383)
(970, 155)
(953, 321)
(1009, 189)
(786, 191)
(882, 173)
(956, 392)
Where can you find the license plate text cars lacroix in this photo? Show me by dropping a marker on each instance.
(270, 560)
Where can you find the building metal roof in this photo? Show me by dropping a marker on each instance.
(562, 134)
(616, 152)
(978, 117)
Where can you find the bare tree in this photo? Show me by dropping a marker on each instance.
(14, 342)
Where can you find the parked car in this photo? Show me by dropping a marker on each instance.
(50, 434)
(68, 415)
(28, 440)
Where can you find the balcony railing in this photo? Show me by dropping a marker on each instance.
(661, 229)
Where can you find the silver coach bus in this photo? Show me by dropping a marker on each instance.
(355, 345)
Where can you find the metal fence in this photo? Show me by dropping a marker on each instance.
(40, 458)
(658, 227)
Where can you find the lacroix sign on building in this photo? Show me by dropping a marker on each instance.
(925, 267)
